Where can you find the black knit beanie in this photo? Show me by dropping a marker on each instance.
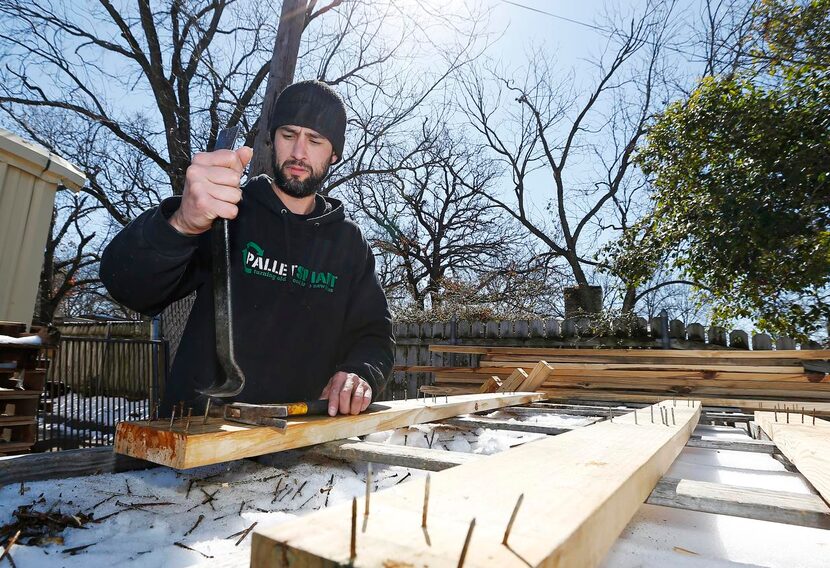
(315, 105)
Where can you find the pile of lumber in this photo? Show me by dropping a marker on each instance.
(24, 360)
(622, 374)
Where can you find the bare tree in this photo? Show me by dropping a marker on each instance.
(181, 60)
(294, 18)
(723, 34)
(136, 90)
(73, 261)
(580, 145)
(432, 214)
(440, 238)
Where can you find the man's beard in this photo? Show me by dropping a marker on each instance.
(294, 186)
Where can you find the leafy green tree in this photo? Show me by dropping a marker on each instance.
(741, 198)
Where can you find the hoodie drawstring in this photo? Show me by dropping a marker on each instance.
(288, 259)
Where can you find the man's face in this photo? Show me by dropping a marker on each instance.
(301, 158)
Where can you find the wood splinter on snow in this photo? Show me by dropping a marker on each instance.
(9, 547)
(183, 545)
(245, 533)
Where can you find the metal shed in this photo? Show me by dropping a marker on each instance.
(29, 179)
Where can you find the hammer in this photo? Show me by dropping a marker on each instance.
(273, 414)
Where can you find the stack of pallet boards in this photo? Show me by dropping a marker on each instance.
(649, 374)
(24, 360)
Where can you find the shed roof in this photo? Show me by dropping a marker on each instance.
(39, 161)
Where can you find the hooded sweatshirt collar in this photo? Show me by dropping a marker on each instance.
(326, 209)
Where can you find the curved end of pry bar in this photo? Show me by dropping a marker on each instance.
(232, 385)
(225, 390)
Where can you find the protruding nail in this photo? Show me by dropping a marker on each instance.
(172, 418)
(353, 541)
(651, 408)
(635, 417)
(466, 543)
(426, 503)
(368, 487)
(207, 409)
(187, 424)
(512, 518)
(672, 418)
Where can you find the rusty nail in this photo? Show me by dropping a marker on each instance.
(512, 518)
(353, 542)
(466, 543)
(426, 503)
(368, 487)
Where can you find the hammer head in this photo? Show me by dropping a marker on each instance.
(257, 414)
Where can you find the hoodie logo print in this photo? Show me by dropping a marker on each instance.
(256, 263)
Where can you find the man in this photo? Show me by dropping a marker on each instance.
(310, 318)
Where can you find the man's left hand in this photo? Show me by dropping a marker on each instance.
(347, 394)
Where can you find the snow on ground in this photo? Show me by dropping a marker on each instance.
(229, 498)
(662, 536)
(104, 410)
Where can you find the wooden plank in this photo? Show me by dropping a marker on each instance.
(761, 380)
(9, 394)
(512, 383)
(756, 402)
(219, 441)
(742, 380)
(698, 392)
(711, 443)
(584, 371)
(9, 447)
(654, 359)
(775, 506)
(491, 385)
(804, 441)
(580, 491)
(17, 420)
(446, 390)
(67, 463)
(390, 454)
(800, 354)
(753, 503)
(540, 373)
(601, 366)
(495, 424)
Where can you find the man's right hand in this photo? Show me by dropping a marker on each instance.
(211, 189)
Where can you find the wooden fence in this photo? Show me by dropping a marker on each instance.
(413, 340)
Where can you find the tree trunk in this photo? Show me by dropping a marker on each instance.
(280, 75)
(43, 308)
(582, 299)
(629, 300)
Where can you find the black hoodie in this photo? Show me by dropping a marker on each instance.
(306, 300)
